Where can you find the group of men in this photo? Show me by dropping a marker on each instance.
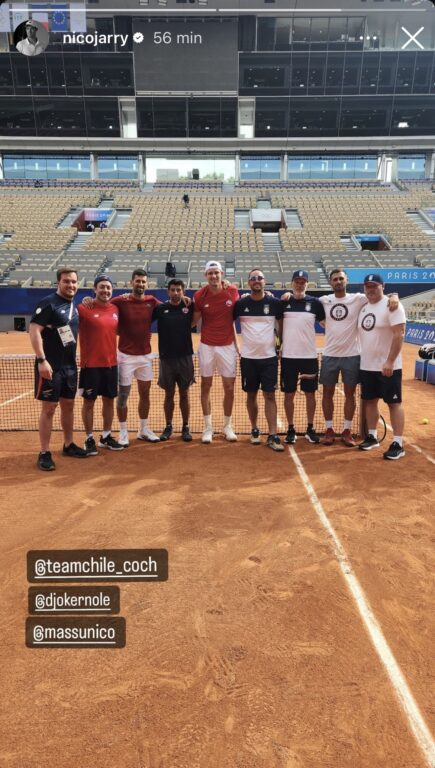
(115, 347)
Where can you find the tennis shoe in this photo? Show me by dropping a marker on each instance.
(394, 452)
(229, 433)
(255, 436)
(123, 439)
(185, 434)
(166, 434)
(329, 437)
(347, 438)
(90, 446)
(370, 442)
(290, 437)
(148, 435)
(110, 443)
(74, 451)
(45, 462)
(311, 435)
(274, 442)
(207, 435)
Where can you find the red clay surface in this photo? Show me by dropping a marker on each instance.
(252, 654)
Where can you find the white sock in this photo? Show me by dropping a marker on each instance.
(347, 424)
(397, 439)
(329, 424)
(227, 421)
(207, 422)
(374, 432)
(123, 426)
(143, 423)
(105, 433)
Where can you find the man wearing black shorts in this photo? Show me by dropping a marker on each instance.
(98, 363)
(174, 321)
(53, 336)
(258, 315)
(381, 333)
(299, 354)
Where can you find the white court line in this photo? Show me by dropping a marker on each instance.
(18, 397)
(415, 719)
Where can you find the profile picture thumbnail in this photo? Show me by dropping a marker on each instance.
(31, 38)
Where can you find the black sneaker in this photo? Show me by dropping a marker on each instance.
(311, 435)
(255, 436)
(185, 434)
(394, 452)
(90, 447)
(45, 461)
(291, 436)
(74, 451)
(166, 434)
(110, 443)
(370, 442)
(274, 442)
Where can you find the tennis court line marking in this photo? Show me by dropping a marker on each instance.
(415, 446)
(415, 719)
(18, 397)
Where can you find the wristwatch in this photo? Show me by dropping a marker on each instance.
(41, 359)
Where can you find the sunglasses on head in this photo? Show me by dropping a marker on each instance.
(256, 277)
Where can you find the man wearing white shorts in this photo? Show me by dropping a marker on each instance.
(217, 349)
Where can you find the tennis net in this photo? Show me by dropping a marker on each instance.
(19, 411)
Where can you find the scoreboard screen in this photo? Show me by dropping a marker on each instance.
(188, 55)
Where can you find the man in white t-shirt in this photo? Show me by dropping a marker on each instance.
(381, 334)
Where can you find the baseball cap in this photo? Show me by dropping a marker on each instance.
(213, 265)
(100, 278)
(300, 273)
(31, 24)
(373, 279)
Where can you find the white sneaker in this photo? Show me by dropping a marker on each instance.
(123, 439)
(207, 435)
(147, 434)
(229, 433)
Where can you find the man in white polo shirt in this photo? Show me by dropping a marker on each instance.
(381, 334)
(217, 350)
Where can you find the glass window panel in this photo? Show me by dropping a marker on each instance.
(263, 77)
(169, 117)
(35, 168)
(79, 168)
(229, 117)
(299, 168)
(13, 167)
(387, 72)
(352, 73)
(73, 73)
(60, 117)
(21, 74)
(355, 32)
(56, 168)
(316, 73)
(411, 167)
(145, 120)
(271, 117)
(299, 75)
(265, 34)
(249, 168)
(413, 115)
(55, 71)
(38, 74)
(422, 73)
(270, 168)
(405, 72)
(343, 168)
(366, 167)
(282, 35)
(334, 73)
(110, 73)
(301, 31)
(17, 116)
(319, 32)
(6, 82)
(337, 32)
(321, 168)
(102, 117)
(365, 116)
(369, 73)
(204, 117)
(314, 117)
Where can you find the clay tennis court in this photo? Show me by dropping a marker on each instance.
(254, 653)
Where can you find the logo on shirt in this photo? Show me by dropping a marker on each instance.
(96, 315)
(247, 310)
(368, 322)
(308, 307)
(229, 303)
(166, 311)
(115, 316)
(38, 310)
(266, 309)
(185, 310)
(339, 312)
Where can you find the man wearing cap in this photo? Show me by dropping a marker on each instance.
(259, 314)
(53, 336)
(299, 353)
(31, 46)
(381, 334)
(98, 363)
(217, 349)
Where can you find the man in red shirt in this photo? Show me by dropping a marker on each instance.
(134, 354)
(98, 363)
(217, 349)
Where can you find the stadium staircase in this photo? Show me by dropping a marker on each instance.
(423, 223)
(350, 245)
(271, 242)
(79, 243)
